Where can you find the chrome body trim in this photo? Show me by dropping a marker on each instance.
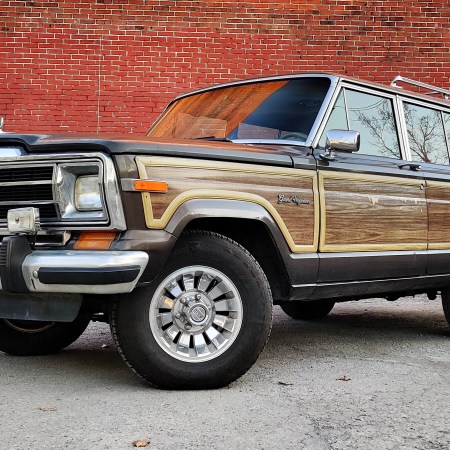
(72, 259)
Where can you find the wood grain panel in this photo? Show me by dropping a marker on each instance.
(189, 179)
(438, 196)
(363, 213)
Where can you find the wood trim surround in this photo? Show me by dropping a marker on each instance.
(343, 212)
(203, 179)
(362, 212)
(438, 197)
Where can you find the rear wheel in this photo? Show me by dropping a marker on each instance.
(445, 294)
(307, 310)
(32, 337)
(204, 320)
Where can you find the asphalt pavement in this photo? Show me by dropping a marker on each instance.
(372, 375)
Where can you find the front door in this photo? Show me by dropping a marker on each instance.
(373, 212)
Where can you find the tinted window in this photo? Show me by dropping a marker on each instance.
(280, 109)
(426, 134)
(290, 112)
(372, 116)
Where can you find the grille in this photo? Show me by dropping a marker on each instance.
(29, 186)
(37, 173)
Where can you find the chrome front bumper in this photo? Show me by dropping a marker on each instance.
(79, 272)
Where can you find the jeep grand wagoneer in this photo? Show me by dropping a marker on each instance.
(300, 190)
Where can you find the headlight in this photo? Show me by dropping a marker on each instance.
(88, 194)
(79, 191)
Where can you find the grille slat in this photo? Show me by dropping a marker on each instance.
(28, 187)
(19, 193)
(16, 174)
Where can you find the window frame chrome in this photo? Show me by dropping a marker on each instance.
(345, 84)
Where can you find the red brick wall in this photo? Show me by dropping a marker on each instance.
(112, 65)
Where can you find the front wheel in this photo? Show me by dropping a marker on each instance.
(307, 310)
(204, 320)
(32, 337)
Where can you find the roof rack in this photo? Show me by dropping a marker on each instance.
(433, 89)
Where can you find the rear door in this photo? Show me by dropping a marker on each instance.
(428, 131)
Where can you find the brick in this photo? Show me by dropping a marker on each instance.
(55, 54)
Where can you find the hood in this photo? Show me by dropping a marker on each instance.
(280, 155)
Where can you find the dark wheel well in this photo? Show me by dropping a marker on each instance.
(256, 238)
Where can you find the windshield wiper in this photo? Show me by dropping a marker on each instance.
(211, 138)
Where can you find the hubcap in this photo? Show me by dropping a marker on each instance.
(196, 314)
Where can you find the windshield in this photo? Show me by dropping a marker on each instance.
(282, 109)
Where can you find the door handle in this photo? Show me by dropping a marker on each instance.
(412, 166)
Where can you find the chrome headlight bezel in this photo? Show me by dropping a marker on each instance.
(67, 177)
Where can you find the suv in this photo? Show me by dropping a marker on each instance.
(300, 190)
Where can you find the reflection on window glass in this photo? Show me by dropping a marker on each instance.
(337, 120)
(289, 113)
(373, 117)
(426, 134)
(280, 109)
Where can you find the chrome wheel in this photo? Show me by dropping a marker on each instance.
(196, 314)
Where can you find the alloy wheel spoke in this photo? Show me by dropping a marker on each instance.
(204, 282)
(218, 290)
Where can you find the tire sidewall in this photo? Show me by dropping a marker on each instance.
(234, 262)
(46, 341)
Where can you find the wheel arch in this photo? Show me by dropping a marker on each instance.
(248, 224)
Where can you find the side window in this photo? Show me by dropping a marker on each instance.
(371, 115)
(426, 134)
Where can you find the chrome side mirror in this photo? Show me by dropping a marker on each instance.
(341, 140)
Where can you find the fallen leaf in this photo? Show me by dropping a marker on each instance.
(343, 378)
(141, 443)
(286, 383)
(48, 408)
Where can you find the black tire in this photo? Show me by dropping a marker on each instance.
(32, 338)
(445, 294)
(203, 264)
(307, 310)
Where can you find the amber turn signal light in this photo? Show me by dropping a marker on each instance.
(94, 240)
(150, 186)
